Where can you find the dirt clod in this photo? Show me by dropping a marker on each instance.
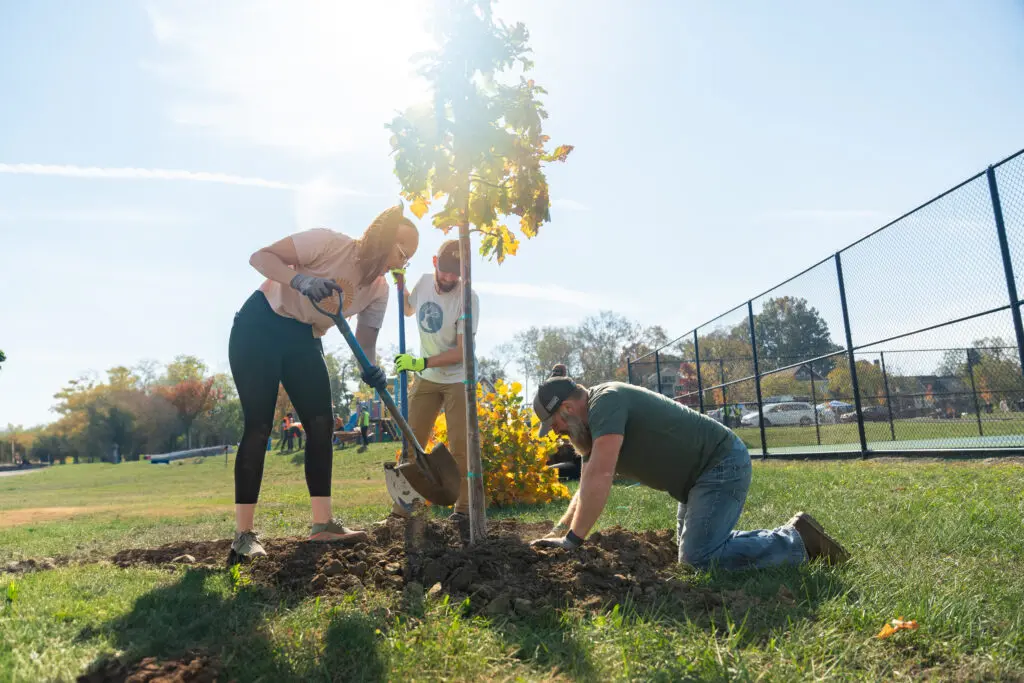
(498, 606)
(523, 607)
(193, 668)
(334, 568)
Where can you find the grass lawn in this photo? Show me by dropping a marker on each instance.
(938, 542)
(962, 430)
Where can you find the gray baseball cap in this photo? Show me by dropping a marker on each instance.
(550, 395)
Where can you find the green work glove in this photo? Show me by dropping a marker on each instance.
(398, 275)
(405, 362)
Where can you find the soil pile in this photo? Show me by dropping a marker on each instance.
(500, 574)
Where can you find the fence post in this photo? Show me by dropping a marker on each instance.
(721, 383)
(629, 370)
(657, 369)
(1004, 247)
(974, 390)
(757, 380)
(853, 362)
(700, 382)
(814, 406)
(888, 400)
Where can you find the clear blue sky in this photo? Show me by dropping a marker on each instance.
(720, 148)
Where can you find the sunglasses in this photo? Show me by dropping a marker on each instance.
(405, 257)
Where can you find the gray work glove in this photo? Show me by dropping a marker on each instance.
(376, 378)
(568, 542)
(316, 288)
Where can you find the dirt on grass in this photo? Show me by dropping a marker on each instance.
(501, 574)
(193, 668)
(9, 518)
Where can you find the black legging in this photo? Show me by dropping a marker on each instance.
(266, 349)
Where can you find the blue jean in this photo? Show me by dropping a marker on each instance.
(705, 522)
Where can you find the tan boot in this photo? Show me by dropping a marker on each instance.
(816, 541)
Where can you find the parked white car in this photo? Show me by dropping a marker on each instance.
(779, 414)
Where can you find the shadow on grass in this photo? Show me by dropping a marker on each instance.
(762, 601)
(546, 642)
(350, 649)
(754, 606)
(195, 614)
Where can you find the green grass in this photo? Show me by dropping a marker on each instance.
(906, 430)
(938, 542)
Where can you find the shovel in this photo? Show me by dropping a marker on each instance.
(434, 475)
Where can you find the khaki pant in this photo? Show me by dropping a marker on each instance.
(426, 400)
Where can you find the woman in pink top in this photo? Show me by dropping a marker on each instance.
(275, 339)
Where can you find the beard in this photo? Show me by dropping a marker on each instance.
(442, 287)
(579, 435)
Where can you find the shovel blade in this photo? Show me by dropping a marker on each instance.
(434, 475)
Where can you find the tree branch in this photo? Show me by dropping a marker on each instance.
(478, 179)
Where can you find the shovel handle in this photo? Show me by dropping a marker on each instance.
(365, 365)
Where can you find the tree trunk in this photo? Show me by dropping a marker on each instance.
(475, 470)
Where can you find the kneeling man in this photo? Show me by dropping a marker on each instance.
(630, 431)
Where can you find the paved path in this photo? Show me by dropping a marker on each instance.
(11, 473)
(953, 445)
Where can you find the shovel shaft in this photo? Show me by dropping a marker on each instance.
(403, 391)
(365, 365)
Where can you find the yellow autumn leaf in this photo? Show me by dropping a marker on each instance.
(419, 207)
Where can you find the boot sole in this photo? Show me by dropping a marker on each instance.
(235, 558)
(813, 523)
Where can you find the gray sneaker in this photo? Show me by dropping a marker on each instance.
(333, 531)
(247, 546)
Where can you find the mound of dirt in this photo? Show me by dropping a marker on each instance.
(500, 574)
(194, 668)
(33, 565)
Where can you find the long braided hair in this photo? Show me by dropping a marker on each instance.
(375, 244)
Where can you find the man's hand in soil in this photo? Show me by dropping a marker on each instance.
(558, 530)
(568, 542)
(595, 483)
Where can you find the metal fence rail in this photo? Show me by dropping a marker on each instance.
(909, 340)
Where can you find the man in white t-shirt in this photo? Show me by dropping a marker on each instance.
(436, 302)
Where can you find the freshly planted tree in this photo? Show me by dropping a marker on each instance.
(478, 143)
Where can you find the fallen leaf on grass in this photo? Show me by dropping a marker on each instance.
(897, 625)
(785, 595)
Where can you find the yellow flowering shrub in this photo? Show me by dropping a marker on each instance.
(514, 457)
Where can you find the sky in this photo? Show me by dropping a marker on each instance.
(148, 148)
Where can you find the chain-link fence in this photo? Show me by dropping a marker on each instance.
(907, 341)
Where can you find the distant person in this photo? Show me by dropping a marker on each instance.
(623, 429)
(364, 427)
(287, 443)
(275, 340)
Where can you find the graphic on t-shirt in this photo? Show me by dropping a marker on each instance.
(330, 304)
(430, 317)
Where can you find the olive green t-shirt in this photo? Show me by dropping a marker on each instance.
(665, 445)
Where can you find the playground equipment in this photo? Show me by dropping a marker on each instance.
(166, 458)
